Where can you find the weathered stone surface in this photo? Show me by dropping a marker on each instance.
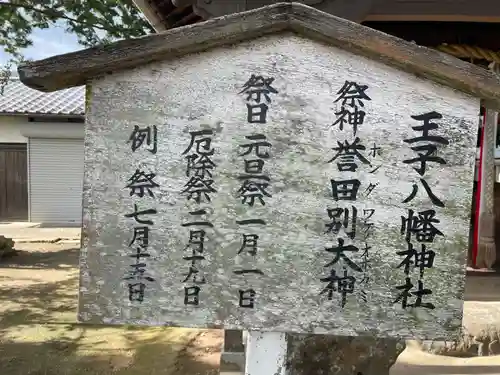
(330, 355)
(202, 91)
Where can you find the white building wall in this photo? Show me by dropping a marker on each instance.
(17, 129)
(10, 129)
(52, 130)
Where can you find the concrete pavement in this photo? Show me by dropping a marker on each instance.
(415, 362)
(482, 304)
(36, 232)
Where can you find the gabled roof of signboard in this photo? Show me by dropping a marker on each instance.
(74, 69)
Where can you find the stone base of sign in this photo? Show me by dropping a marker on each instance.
(232, 357)
(334, 355)
(232, 362)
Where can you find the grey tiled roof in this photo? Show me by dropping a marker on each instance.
(20, 99)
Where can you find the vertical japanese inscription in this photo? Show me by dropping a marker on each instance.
(349, 156)
(255, 187)
(141, 184)
(198, 189)
(421, 226)
(351, 97)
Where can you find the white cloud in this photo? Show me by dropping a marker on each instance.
(46, 43)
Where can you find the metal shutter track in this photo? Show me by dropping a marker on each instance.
(56, 180)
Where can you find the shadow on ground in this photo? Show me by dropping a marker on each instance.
(63, 259)
(39, 334)
(39, 303)
(137, 355)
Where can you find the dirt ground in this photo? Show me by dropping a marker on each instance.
(39, 334)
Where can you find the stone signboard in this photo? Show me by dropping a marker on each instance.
(278, 184)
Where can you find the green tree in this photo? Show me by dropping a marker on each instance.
(92, 21)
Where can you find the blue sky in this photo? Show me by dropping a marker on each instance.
(46, 43)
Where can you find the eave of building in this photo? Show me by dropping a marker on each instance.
(431, 23)
(435, 10)
(165, 15)
(435, 33)
(434, 18)
(151, 13)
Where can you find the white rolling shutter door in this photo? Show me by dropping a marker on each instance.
(56, 180)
